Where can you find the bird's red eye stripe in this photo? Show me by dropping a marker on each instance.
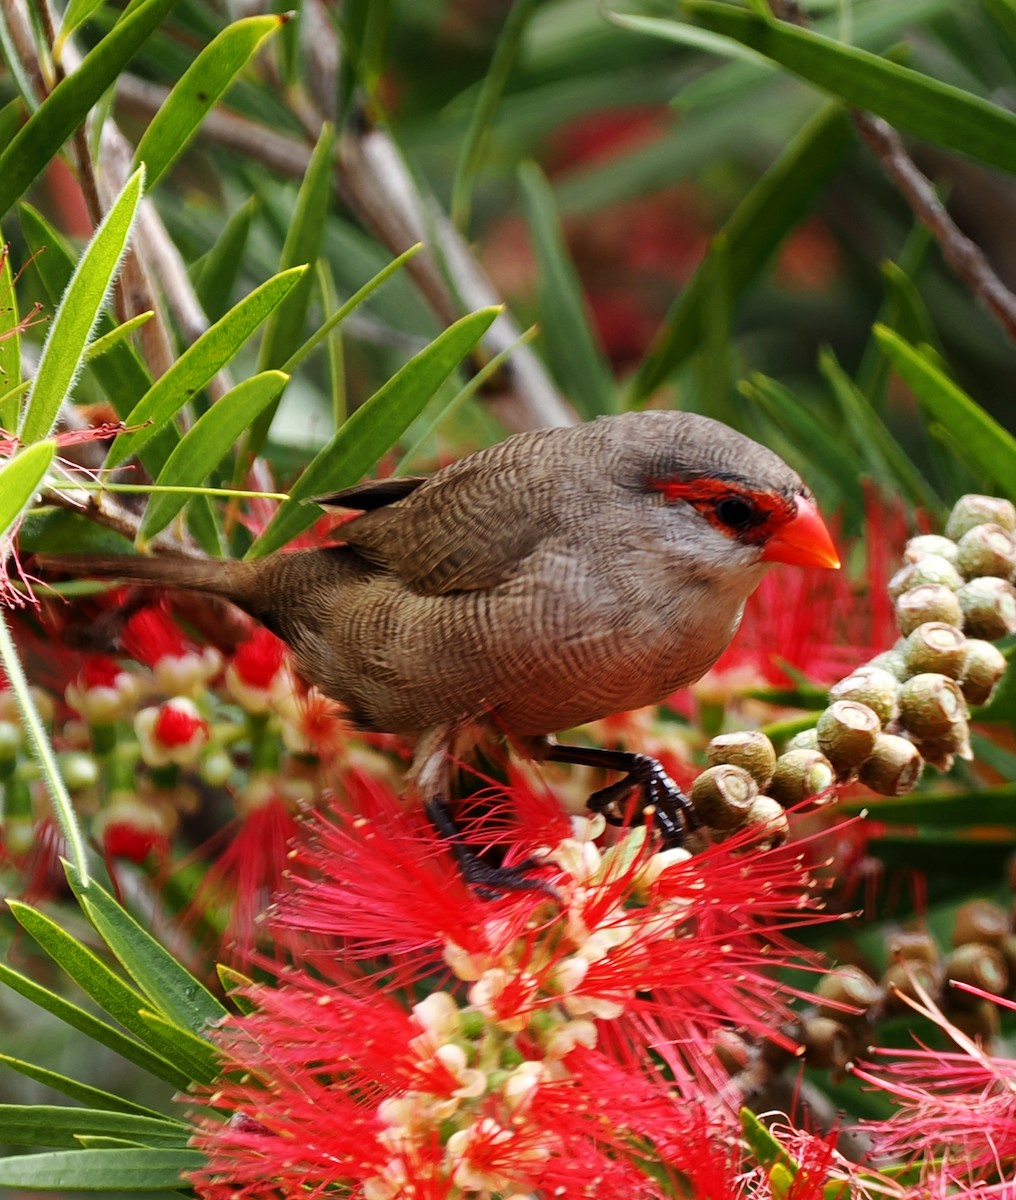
(729, 506)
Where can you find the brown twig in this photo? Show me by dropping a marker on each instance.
(963, 255)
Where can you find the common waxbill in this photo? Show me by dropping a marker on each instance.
(552, 579)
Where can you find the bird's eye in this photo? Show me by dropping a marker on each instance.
(736, 513)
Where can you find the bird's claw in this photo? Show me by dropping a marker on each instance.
(672, 812)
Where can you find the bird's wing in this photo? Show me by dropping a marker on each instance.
(465, 531)
(372, 493)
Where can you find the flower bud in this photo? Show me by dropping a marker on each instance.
(930, 543)
(980, 921)
(893, 767)
(749, 749)
(827, 1043)
(979, 1021)
(939, 751)
(932, 569)
(722, 796)
(986, 550)
(801, 774)
(928, 602)
(901, 978)
(913, 944)
(890, 661)
(806, 739)
(872, 686)
(216, 768)
(846, 985)
(767, 823)
(972, 510)
(937, 648)
(731, 1050)
(79, 770)
(175, 732)
(989, 607)
(983, 666)
(10, 741)
(846, 733)
(930, 705)
(979, 966)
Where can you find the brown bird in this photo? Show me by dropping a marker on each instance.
(552, 579)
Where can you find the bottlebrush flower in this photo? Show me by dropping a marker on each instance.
(103, 691)
(174, 732)
(132, 828)
(153, 638)
(257, 674)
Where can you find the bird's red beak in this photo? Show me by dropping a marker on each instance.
(803, 541)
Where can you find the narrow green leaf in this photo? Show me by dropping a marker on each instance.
(374, 427)
(207, 443)
(196, 93)
(334, 353)
(62, 532)
(985, 443)
(913, 321)
(91, 1097)
(78, 313)
(773, 207)
(100, 1170)
(687, 35)
(1003, 13)
(59, 1125)
(494, 81)
(20, 478)
(994, 806)
(87, 970)
(886, 458)
(76, 13)
(10, 342)
(171, 988)
(98, 1031)
(199, 363)
(216, 273)
(102, 345)
(571, 346)
(190, 1053)
(767, 1150)
(64, 109)
(11, 116)
(284, 332)
(9, 402)
(232, 984)
(926, 107)
(714, 367)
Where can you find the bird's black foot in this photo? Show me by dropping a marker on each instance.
(489, 879)
(672, 811)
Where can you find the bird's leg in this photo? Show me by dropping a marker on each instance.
(672, 811)
(429, 773)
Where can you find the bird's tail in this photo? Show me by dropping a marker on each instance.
(228, 578)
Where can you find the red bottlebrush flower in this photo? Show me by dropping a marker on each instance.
(256, 674)
(175, 732)
(957, 1109)
(153, 638)
(133, 829)
(103, 691)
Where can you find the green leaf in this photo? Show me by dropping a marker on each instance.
(374, 427)
(20, 479)
(91, 1097)
(571, 346)
(102, 345)
(494, 81)
(773, 207)
(97, 1030)
(171, 988)
(61, 532)
(687, 35)
(11, 116)
(199, 363)
(1003, 13)
(191, 1053)
(232, 984)
(886, 458)
(284, 332)
(995, 806)
(100, 1170)
(59, 1125)
(216, 273)
(926, 107)
(76, 13)
(985, 443)
(767, 1150)
(87, 970)
(196, 93)
(64, 109)
(10, 342)
(207, 443)
(78, 313)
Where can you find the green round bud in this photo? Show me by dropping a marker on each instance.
(930, 569)
(940, 751)
(847, 732)
(805, 739)
(872, 686)
(899, 982)
(972, 510)
(930, 543)
(980, 921)
(986, 550)
(930, 705)
(892, 661)
(978, 966)
(983, 666)
(216, 768)
(748, 749)
(989, 607)
(893, 767)
(914, 945)
(800, 775)
(10, 740)
(827, 1043)
(79, 770)
(723, 795)
(936, 647)
(767, 822)
(928, 602)
(846, 985)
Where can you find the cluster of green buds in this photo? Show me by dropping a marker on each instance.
(907, 706)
